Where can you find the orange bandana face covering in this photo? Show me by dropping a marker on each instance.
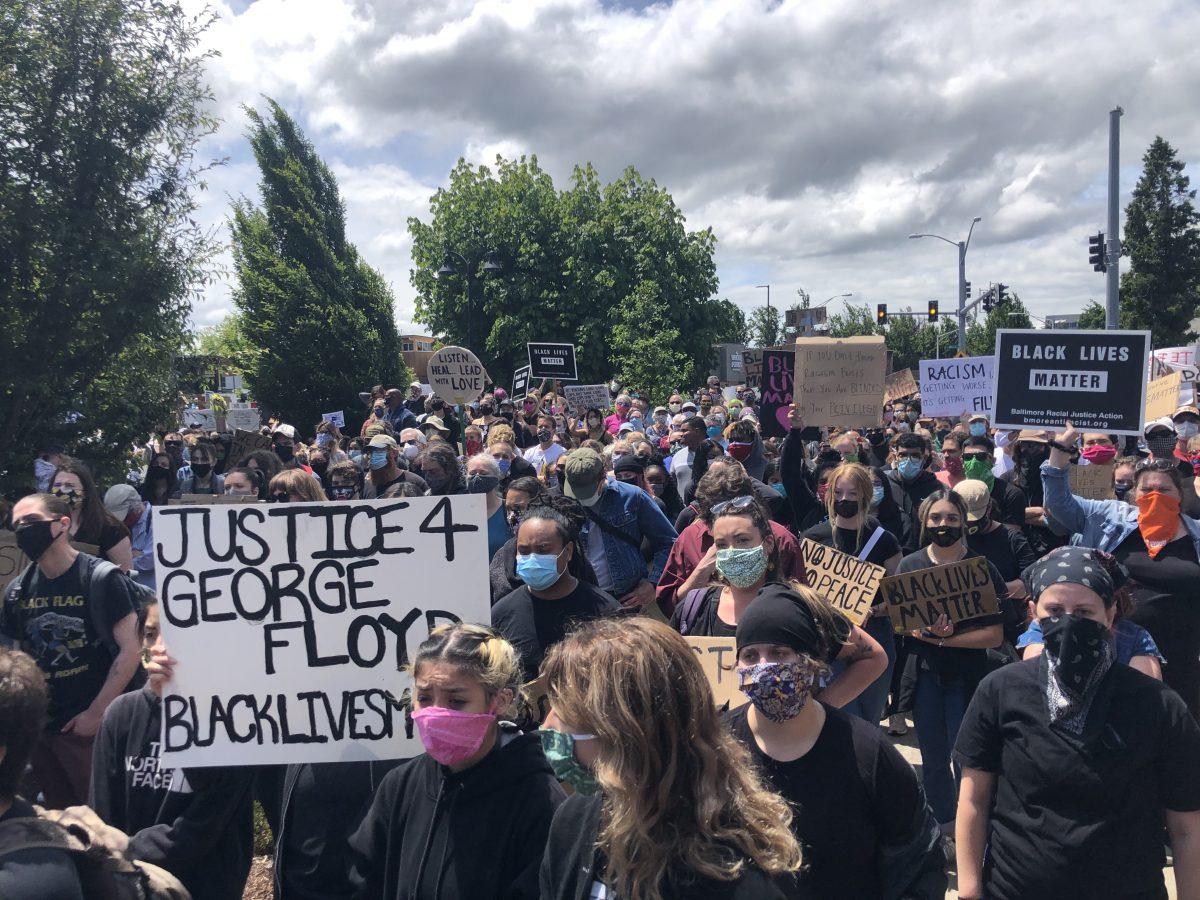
(1158, 520)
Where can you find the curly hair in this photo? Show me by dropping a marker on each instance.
(680, 793)
(23, 702)
(724, 480)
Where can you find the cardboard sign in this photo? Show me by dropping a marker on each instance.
(583, 397)
(552, 361)
(538, 697)
(1162, 396)
(456, 375)
(777, 380)
(244, 443)
(210, 500)
(200, 418)
(318, 610)
(337, 418)
(13, 561)
(243, 418)
(752, 367)
(845, 582)
(954, 387)
(898, 385)
(520, 383)
(718, 658)
(961, 591)
(839, 381)
(1092, 482)
(1096, 380)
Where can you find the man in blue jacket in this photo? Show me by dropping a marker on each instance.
(620, 518)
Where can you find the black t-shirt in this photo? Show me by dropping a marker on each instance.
(848, 540)
(1008, 503)
(533, 625)
(36, 874)
(1166, 592)
(55, 622)
(705, 622)
(1080, 816)
(852, 793)
(1005, 548)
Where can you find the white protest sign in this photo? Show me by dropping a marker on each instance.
(337, 418)
(200, 418)
(583, 397)
(295, 624)
(245, 418)
(456, 375)
(1182, 360)
(952, 387)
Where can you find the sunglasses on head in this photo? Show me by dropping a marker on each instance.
(737, 504)
(1155, 465)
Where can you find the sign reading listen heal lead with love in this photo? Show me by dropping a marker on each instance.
(295, 625)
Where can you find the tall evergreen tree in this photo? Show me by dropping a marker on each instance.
(321, 318)
(1161, 290)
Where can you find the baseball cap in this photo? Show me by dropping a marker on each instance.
(660, 409)
(382, 440)
(977, 497)
(625, 426)
(1186, 408)
(1034, 437)
(415, 384)
(286, 431)
(120, 499)
(435, 422)
(688, 404)
(1164, 422)
(585, 471)
(978, 417)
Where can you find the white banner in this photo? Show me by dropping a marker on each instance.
(1182, 360)
(245, 418)
(952, 387)
(295, 624)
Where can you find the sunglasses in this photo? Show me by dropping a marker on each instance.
(280, 498)
(737, 504)
(979, 456)
(1155, 465)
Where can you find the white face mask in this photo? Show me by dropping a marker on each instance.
(411, 451)
(1186, 429)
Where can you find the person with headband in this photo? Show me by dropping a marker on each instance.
(469, 816)
(665, 803)
(1153, 538)
(862, 816)
(1072, 765)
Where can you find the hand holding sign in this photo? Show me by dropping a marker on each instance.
(795, 417)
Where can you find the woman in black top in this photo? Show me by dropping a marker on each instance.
(665, 803)
(947, 661)
(850, 530)
(1071, 764)
(91, 523)
(747, 558)
(861, 818)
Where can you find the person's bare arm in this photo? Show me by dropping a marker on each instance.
(971, 828)
(1147, 665)
(701, 576)
(87, 723)
(865, 661)
(1029, 651)
(121, 554)
(1184, 829)
(977, 639)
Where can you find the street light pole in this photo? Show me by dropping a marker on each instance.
(961, 246)
(768, 287)
(490, 266)
(1112, 301)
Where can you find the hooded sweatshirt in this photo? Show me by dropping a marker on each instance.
(432, 833)
(195, 823)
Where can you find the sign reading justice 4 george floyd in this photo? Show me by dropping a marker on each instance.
(1096, 380)
(295, 625)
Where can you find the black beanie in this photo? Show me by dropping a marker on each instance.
(778, 615)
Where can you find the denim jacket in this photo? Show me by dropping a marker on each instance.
(1101, 524)
(631, 510)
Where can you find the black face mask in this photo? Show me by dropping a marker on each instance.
(946, 535)
(280, 498)
(980, 525)
(1032, 457)
(482, 484)
(1076, 645)
(202, 469)
(287, 454)
(545, 436)
(486, 411)
(35, 538)
(847, 509)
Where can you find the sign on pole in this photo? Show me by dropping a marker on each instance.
(520, 383)
(1162, 396)
(295, 625)
(552, 361)
(845, 582)
(1096, 380)
(954, 387)
(456, 375)
(960, 591)
(898, 385)
(583, 397)
(839, 381)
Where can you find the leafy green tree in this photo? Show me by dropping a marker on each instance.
(981, 335)
(571, 264)
(228, 339)
(648, 359)
(1161, 290)
(736, 330)
(321, 318)
(102, 105)
(854, 320)
(765, 326)
(1093, 316)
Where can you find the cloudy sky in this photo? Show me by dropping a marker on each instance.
(812, 136)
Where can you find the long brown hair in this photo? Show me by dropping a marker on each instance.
(861, 479)
(93, 517)
(680, 793)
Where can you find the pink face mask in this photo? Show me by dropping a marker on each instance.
(739, 451)
(1099, 454)
(451, 736)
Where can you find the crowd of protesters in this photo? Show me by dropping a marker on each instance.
(1060, 752)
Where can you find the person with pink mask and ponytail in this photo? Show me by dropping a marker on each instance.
(470, 816)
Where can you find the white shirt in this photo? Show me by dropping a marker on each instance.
(540, 458)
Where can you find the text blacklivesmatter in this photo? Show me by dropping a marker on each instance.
(960, 591)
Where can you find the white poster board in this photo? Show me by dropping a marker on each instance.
(337, 418)
(956, 387)
(200, 418)
(583, 397)
(294, 624)
(456, 375)
(245, 418)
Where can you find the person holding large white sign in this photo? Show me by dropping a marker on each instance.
(956, 387)
(295, 624)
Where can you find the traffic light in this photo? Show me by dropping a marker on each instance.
(1001, 294)
(933, 310)
(989, 300)
(966, 291)
(881, 313)
(1096, 252)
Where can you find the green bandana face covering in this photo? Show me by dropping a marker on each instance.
(559, 748)
(979, 470)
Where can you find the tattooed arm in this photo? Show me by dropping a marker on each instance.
(865, 660)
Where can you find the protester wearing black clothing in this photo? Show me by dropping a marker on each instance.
(1008, 500)
(910, 473)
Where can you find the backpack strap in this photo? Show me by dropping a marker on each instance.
(691, 609)
(612, 529)
(95, 573)
(871, 542)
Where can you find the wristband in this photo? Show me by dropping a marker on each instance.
(1063, 447)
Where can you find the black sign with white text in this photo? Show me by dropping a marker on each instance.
(552, 361)
(520, 383)
(1096, 380)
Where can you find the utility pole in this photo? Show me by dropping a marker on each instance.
(1112, 300)
(962, 290)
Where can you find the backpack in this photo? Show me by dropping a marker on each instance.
(104, 874)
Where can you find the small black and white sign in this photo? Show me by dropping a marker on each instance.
(552, 361)
(520, 383)
(1096, 380)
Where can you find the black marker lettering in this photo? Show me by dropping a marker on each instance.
(170, 599)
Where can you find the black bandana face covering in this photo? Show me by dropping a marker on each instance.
(1078, 654)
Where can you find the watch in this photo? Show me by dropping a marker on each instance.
(1063, 447)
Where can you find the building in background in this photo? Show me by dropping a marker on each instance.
(1071, 320)
(416, 350)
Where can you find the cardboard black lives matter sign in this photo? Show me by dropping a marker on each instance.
(520, 383)
(960, 591)
(1096, 380)
(552, 361)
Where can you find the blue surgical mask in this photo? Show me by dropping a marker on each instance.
(909, 468)
(714, 431)
(877, 495)
(504, 465)
(539, 570)
(978, 429)
(379, 458)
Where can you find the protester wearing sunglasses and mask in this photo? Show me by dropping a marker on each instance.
(1152, 537)
(468, 817)
(1008, 501)
(1072, 765)
(384, 469)
(861, 814)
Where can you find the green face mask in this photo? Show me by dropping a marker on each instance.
(850, 457)
(559, 748)
(979, 470)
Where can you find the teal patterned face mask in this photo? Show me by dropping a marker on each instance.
(742, 567)
(559, 748)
